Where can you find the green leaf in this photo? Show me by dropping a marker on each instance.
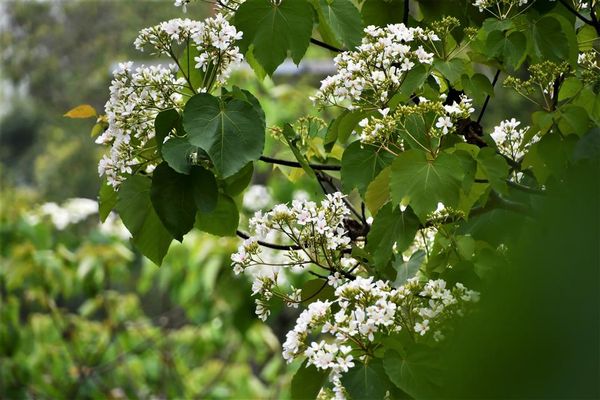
(391, 226)
(232, 133)
(415, 371)
(549, 40)
(573, 119)
(107, 200)
(549, 156)
(453, 69)
(361, 163)
(258, 69)
(378, 191)
(413, 81)
(178, 152)
(291, 138)
(408, 269)
(137, 213)
(382, 12)
(275, 29)
(494, 167)
(222, 221)
(343, 125)
(344, 20)
(366, 381)
(307, 382)
(516, 51)
(477, 87)
(586, 37)
(204, 189)
(236, 183)
(172, 196)
(569, 88)
(164, 123)
(422, 183)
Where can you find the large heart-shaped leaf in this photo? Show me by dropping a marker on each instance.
(422, 182)
(173, 199)
(135, 209)
(343, 18)
(274, 29)
(232, 133)
(361, 163)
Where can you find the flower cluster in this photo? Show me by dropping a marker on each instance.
(365, 311)
(369, 76)
(509, 138)
(499, 8)
(316, 229)
(136, 97)
(213, 40)
(589, 61)
(390, 127)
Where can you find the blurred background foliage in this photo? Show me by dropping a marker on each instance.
(82, 315)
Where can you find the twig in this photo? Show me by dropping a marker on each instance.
(295, 164)
(577, 13)
(516, 185)
(273, 246)
(487, 99)
(325, 45)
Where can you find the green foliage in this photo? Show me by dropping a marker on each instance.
(391, 226)
(361, 164)
(342, 18)
(273, 30)
(137, 211)
(422, 183)
(307, 382)
(230, 132)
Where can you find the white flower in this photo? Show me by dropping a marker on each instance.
(444, 123)
(422, 327)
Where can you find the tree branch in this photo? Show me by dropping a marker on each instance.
(487, 99)
(325, 45)
(576, 13)
(517, 186)
(273, 246)
(295, 164)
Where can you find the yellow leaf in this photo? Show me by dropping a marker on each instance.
(82, 111)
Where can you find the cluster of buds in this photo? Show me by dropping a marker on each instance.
(500, 9)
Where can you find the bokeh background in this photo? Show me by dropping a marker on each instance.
(82, 314)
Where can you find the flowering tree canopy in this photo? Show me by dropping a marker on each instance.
(411, 174)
